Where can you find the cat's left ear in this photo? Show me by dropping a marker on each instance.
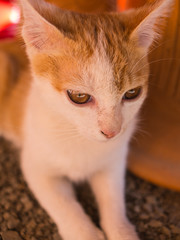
(148, 31)
(38, 33)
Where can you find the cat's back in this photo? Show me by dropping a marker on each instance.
(14, 85)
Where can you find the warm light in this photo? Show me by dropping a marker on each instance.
(9, 14)
(127, 4)
(122, 5)
(14, 15)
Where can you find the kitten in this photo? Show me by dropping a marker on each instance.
(74, 117)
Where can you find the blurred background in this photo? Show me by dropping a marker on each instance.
(9, 18)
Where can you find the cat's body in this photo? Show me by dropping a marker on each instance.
(73, 57)
(14, 87)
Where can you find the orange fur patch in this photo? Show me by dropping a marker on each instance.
(60, 70)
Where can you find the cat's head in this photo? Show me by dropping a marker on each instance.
(92, 69)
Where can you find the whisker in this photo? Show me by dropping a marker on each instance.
(72, 137)
(64, 131)
(159, 60)
(146, 54)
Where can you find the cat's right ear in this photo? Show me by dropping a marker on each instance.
(38, 33)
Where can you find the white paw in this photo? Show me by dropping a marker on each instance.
(90, 234)
(122, 231)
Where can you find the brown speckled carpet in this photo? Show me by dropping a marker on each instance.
(154, 211)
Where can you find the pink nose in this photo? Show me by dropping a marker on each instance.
(109, 134)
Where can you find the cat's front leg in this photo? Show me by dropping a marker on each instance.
(57, 197)
(108, 187)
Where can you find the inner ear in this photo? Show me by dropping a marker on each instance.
(149, 28)
(39, 33)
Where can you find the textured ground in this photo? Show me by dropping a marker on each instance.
(155, 211)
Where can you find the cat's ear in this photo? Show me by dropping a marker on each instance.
(148, 29)
(38, 33)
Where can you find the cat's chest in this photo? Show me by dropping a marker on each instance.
(67, 155)
(56, 150)
(75, 159)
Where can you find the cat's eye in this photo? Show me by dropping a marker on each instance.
(132, 93)
(78, 98)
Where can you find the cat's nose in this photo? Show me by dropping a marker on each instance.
(109, 134)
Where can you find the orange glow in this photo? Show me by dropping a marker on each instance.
(9, 14)
(122, 5)
(126, 4)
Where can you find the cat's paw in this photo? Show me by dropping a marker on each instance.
(121, 235)
(85, 234)
(122, 231)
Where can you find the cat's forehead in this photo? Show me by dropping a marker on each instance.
(99, 57)
(110, 64)
(100, 73)
(104, 71)
(103, 50)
